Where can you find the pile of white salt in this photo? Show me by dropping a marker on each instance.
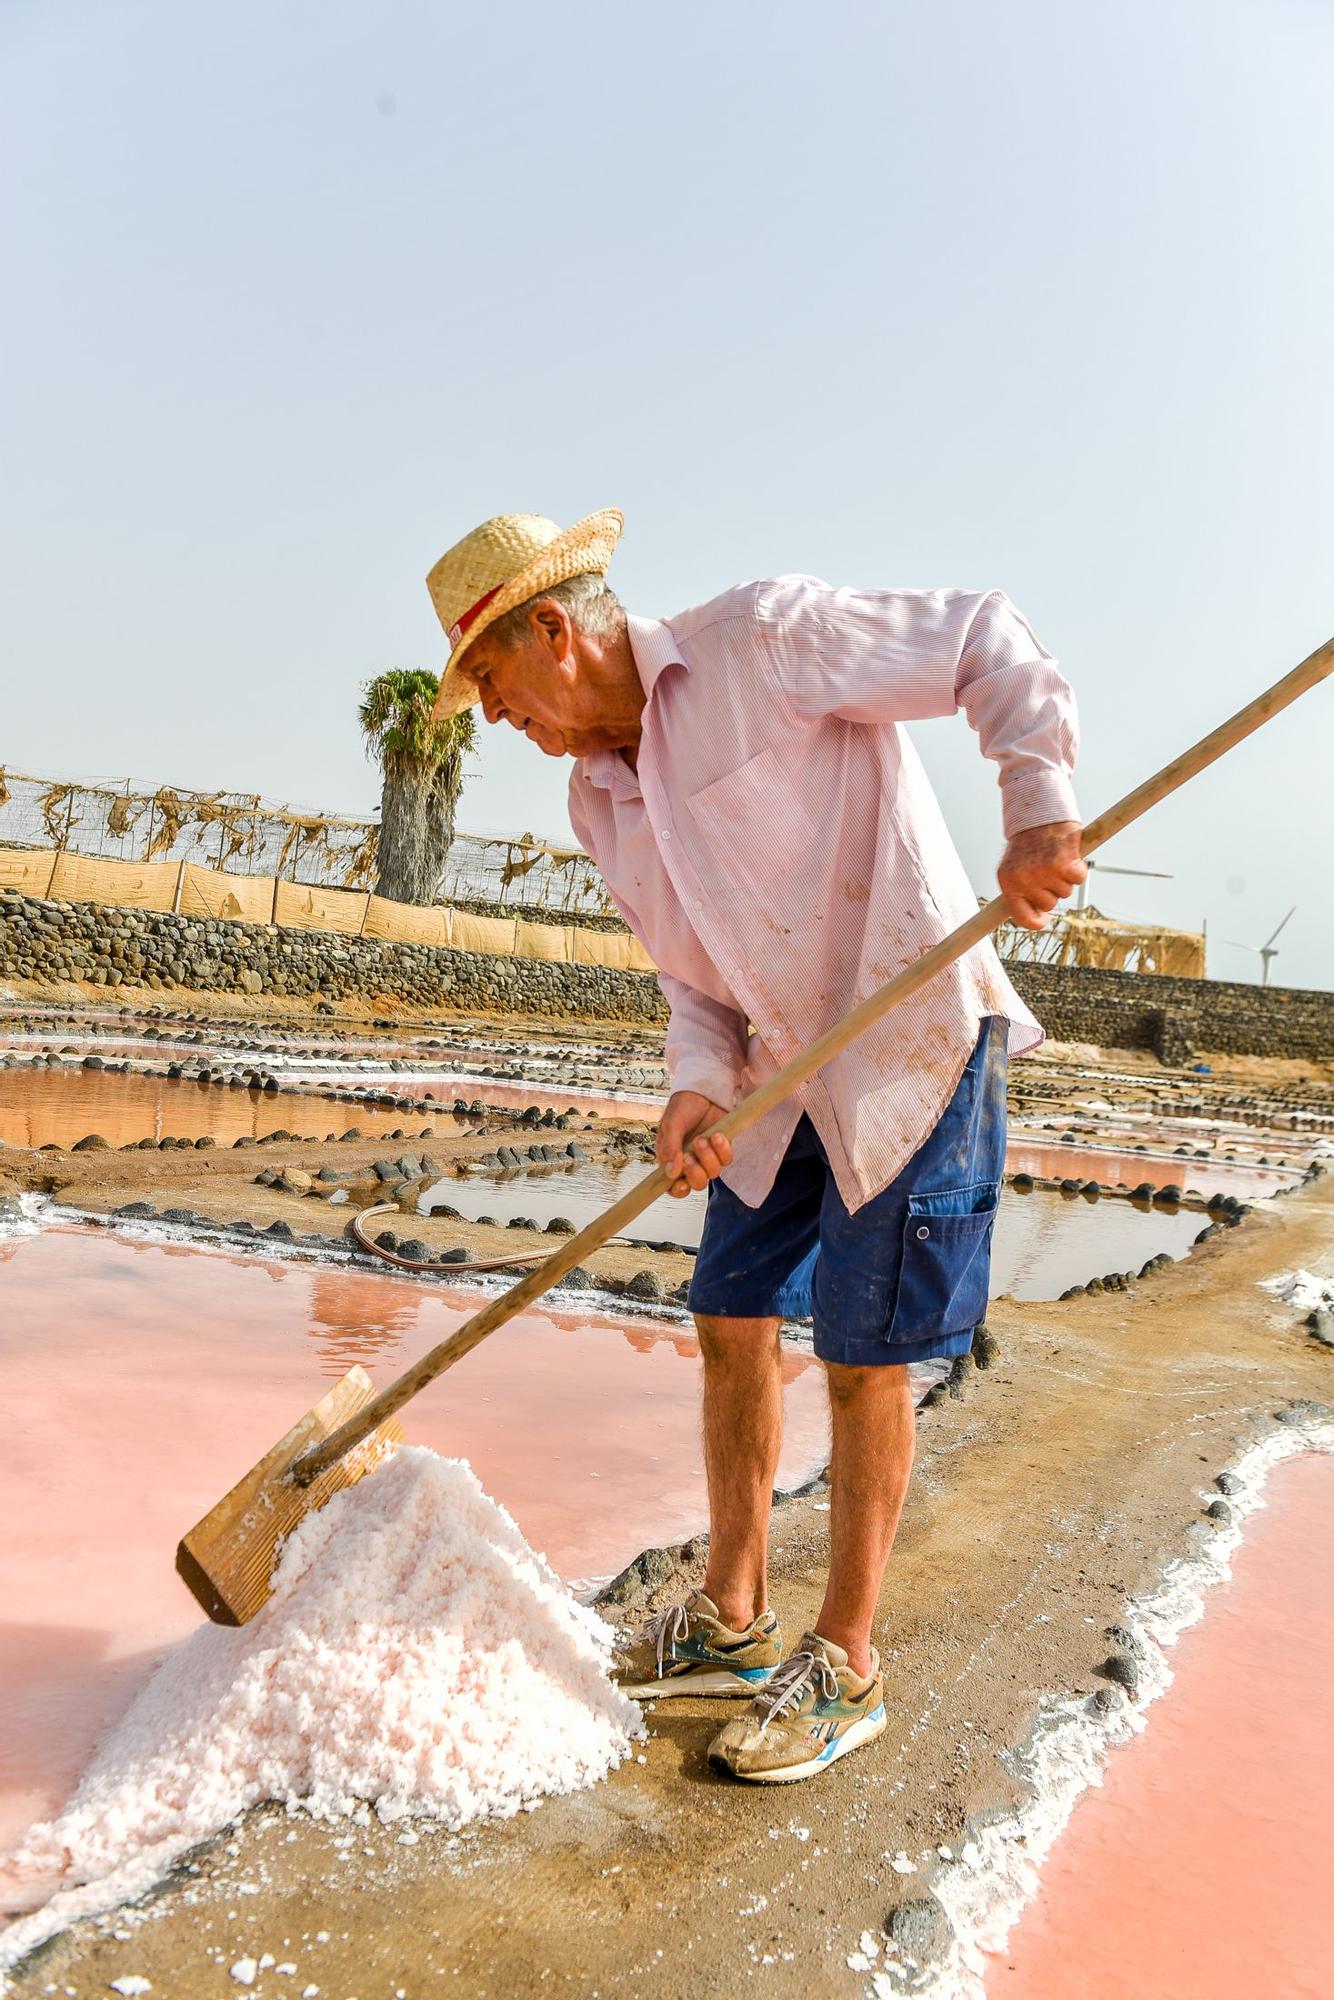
(416, 1656)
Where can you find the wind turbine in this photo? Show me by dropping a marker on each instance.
(1081, 896)
(1267, 951)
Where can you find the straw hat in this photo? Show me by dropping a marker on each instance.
(503, 563)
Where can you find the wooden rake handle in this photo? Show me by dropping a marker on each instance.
(614, 1220)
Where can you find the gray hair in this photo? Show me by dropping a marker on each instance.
(593, 606)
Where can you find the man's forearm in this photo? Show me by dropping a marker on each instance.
(706, 1043)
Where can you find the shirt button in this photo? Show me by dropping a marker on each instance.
(698, 904)
(923, 1233)
(666, 833)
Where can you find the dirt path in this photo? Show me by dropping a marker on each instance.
(1052, 1491)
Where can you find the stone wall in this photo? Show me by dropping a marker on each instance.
(111, 947)
(1129, 1010)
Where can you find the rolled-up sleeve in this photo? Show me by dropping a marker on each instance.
(1023, 710)
(888, 656)
(706, 1043)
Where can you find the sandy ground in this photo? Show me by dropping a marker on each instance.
(1048, 1492)
(286, 1012)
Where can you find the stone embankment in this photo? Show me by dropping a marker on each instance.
(1173, 1017)
(52, 940)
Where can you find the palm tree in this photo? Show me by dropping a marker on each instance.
(422, 763)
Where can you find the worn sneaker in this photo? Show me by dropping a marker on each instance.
(687, 1649)
(813, 1710)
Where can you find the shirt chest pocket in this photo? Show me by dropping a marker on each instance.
(750, 823)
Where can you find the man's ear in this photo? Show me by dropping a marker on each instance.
(554, 627)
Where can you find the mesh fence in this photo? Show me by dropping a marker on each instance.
(524, 874)
(244, 834)
(233, 830)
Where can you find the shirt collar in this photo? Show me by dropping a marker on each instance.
(654, 648)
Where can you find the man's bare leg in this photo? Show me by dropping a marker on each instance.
(743, 1432)
(874, 1432)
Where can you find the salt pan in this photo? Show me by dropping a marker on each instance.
(416, 1653)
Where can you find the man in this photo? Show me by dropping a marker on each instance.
(742, 782)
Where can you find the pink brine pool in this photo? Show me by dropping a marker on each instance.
(141, 1381)
(1201, 1867)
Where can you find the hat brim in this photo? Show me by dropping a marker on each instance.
(586, 549)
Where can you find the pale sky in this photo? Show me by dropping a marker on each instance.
(1035, 296)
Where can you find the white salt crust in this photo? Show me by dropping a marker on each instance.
(416, 1654)
(1302, 1290)
(32, 1216)
(997, 1872)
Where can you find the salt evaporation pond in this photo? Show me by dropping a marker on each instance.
(40, 1107)
(1247, 1180)
(142, 1379)
(611, 1105)
(57, 1106)
(1200, 1866)
(1044, 1243)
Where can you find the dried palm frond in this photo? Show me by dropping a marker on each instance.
(124, 814)
(234, 815)
(170, 813)
(54, 806)
(313, 831)
(521, 857)
(360, 860)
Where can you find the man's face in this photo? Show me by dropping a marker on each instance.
(537, 687)
(517, 685)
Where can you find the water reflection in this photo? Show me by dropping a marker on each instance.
(40, 1107)
(348, 1324)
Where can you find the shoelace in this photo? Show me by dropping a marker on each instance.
(787, 1684)
(666, 1627)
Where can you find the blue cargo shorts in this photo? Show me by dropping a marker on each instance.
(905, 1276)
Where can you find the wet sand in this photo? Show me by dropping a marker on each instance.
(1200, 1866)
(141, 1380)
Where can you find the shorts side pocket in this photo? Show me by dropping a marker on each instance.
(945, 1269)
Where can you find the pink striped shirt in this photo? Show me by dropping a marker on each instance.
(780, 852)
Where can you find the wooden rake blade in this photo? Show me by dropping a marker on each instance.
(227, 1559)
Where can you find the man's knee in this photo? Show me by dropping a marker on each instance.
(848, 1386)
(736, 1342)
